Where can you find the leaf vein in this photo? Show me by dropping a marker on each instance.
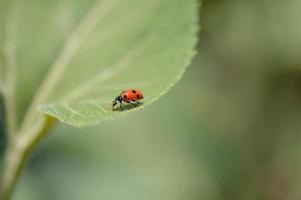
(73, 111)
(104, 75)
(98, 106)
(72, 45)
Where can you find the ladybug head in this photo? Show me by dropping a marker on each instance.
(116, 100)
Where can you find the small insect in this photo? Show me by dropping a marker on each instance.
(129, 96)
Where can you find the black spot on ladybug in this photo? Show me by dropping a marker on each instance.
(138, 95)
(124, 96)
(134, 91)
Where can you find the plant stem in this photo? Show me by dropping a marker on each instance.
(14, 160)
(16, 154)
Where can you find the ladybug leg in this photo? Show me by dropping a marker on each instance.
(133, 103)
(128, 102)
(136, 103)
(120, 104)
(114, 104)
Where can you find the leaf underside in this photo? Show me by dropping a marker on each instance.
(71, 58)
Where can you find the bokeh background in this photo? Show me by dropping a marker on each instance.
(230, 129)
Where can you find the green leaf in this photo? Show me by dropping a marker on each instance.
(70, 58)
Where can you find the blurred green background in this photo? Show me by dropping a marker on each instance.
(230, 129)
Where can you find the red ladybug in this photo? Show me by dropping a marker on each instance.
(128, 96)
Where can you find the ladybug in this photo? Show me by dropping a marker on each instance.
(128, 96)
